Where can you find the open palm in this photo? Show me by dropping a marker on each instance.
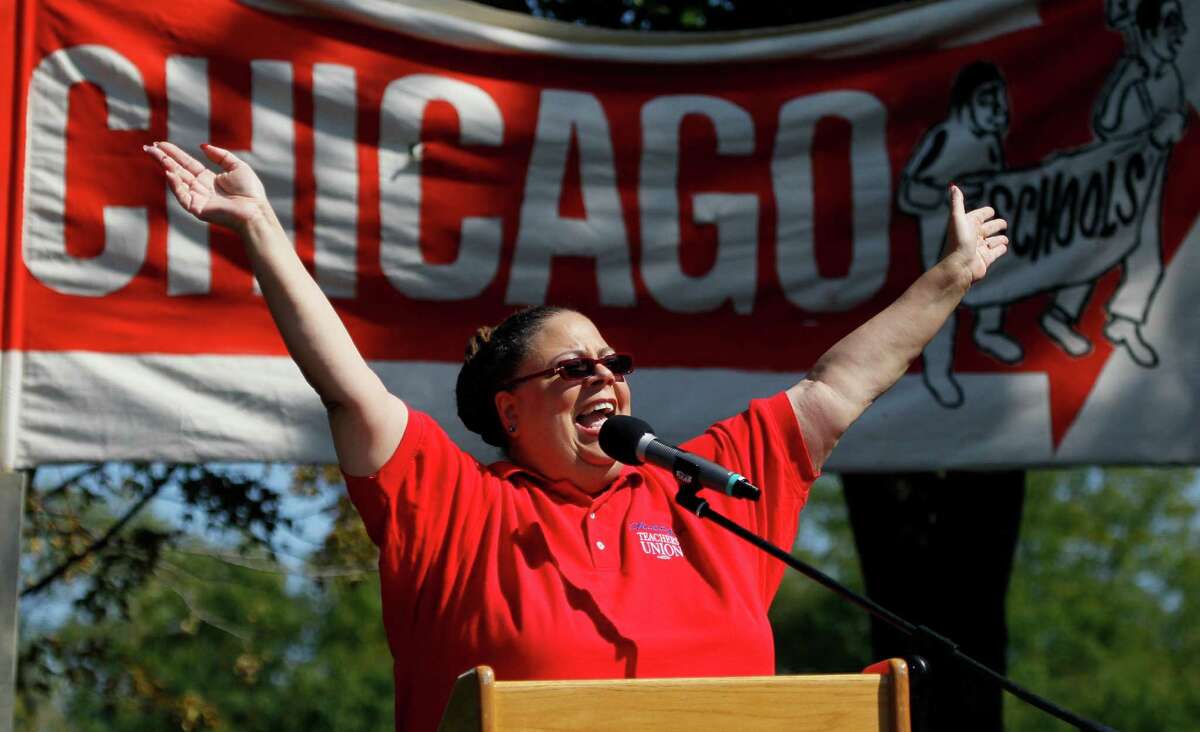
(974, 236)
(230, 198)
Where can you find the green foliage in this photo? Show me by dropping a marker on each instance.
(206, 650)
(84, 526)
(1104, 607)
(815, 630)
(1104, 616)
(196, 634)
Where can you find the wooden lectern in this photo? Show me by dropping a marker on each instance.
(873, 701)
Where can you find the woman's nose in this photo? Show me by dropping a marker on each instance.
(602, 372)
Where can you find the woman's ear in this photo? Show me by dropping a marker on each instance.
(506, 407)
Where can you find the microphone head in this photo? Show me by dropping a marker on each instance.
(619, 437)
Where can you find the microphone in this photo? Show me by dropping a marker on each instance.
(631, 441)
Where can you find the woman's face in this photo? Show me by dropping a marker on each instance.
(557, 420)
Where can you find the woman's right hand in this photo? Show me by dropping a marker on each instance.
(367, 421)
(233, 198)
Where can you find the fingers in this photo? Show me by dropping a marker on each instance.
(995, 241)
(957, 205)
(182, 190)
(995, 226)
(186, 187)
(219, 155)
(178, 185)
(179, 180)
(166, 162)
(983, 214)
(992, 254)
(170, 167)
(187, 162)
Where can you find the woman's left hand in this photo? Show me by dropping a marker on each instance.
(973, 237)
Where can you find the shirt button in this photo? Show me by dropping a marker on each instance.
(600, 545)
(592, 515)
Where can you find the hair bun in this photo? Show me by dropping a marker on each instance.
(478, 340)
(492, 358)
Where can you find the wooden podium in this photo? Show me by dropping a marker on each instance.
(873, 701)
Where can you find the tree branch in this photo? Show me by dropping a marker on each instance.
(267, 567)
(96, 545)
(73, 480)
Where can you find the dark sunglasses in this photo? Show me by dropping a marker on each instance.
(574, 369)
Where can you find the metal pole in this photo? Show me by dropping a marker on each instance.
(12, 502)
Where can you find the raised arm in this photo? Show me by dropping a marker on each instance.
(367, 421)
(868, 361)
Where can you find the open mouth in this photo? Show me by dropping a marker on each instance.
(593, 417)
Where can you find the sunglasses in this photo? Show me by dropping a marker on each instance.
(574, 369)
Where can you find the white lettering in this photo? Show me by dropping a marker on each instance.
(542, 233)
(480, 123)
(871, 198)
(272, 151)
(661, 550)
(650, 536)
(126, 231)
(335, 168)
(565, 119)
(272, 154)
(189, 265)
(734, 275)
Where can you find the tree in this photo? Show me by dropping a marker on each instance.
(815, 630)
(1104, 611)
(84, 524)
(1104, 606)
(213, 635)
(1105, 603)
(89, 548)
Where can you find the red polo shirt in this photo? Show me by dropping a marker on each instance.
(496, 565)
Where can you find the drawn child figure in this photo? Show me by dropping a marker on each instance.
(1144, 95)
(965, 148)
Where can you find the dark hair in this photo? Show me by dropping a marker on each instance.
(491, 359)
(972, 77)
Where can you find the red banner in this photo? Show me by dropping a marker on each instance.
(724, 206)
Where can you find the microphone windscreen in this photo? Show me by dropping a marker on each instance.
(619, 437)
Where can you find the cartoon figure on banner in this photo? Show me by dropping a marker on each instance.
(1144, 94)
(1074, 217)
(966, 147)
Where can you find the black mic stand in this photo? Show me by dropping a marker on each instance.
(930, 643)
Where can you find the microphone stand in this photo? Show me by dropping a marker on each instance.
(927, 640)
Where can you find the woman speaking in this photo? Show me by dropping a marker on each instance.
(559, 562)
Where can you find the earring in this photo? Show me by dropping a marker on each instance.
(512, 428)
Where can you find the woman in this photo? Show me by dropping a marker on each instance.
(561, 562)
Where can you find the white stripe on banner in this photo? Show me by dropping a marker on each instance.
(184, 408)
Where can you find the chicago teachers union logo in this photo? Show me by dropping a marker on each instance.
(657, 540)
